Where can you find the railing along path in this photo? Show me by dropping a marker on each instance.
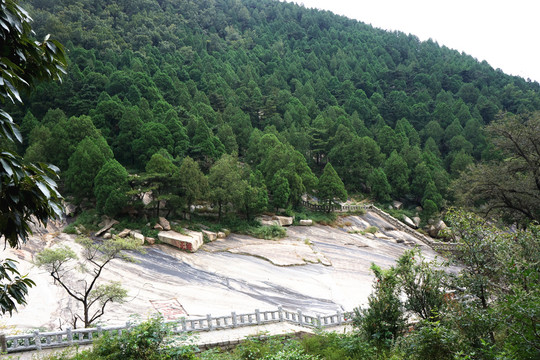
(45, 340)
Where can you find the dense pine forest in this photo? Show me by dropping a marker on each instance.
(247, 105)
(281, 88)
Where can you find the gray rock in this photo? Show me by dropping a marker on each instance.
(211, 235)
(397, 204)
(416, 220)
(137, 235)
(164, 223)
(409, 222)
(221, 235)
(284, 220)
(147, 198)
(158, 227)
(107, 236)
(108, 224)
(124, 233)
(307, 222)
(150, 240)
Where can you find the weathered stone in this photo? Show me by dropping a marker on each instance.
(70, 209)
(268, 221)
(400, 241)
(147, 198)
(164, 223)
(418, 209)
(307, 222)
(284, 220)
(190, 242)
(124, 233)
(390, 207)
(108, 224)
(221, 235)
(150, 240)
(416, 220)
(409, 222)
(107, 236)
(211, 235)
(137, 235)
(397, 204)
(158, 227)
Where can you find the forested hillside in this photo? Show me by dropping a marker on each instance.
(153, 82)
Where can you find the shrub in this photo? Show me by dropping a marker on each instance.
(268, 232)
(371, 229)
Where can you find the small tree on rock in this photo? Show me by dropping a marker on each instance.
(62, 263)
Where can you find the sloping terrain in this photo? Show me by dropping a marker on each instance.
(316, 269)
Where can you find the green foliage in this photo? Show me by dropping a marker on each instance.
(149, 340)
(268, 232)
(383, 320)
(110, 188)
(330, 188)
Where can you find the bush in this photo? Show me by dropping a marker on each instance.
(430, 340)
(371, 229)
(268, 232)
(150, 340)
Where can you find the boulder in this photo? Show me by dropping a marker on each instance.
(158, 227)
(137, 235)
(109, 223)
(124, 233)
(307, 222)
(397, 204)
(267, 221)
(190, 241)
(164, 223)
(147, 198)
(284, 220)
(211, 235)
(107, 236)
(416, 220)
(70, 209)
(434, 229)
(409, 222)
(150, 240)
(221, 235)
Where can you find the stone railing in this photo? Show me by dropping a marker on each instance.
(45, 340)
(435, 245)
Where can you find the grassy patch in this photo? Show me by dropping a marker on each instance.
(317, 217)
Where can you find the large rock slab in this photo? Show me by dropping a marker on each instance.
(191, 241)
(409, 222)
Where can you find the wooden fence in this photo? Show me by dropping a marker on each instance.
(45, 340)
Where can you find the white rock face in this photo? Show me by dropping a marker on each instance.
(307, 222)
(190, 242)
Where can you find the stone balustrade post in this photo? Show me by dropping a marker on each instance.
(37, 340)
(234, 320)
(69, 335)
(3, 343)
(300, 317)
(280, 313)
(257, 316)
(340, 321)
(209, 320)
